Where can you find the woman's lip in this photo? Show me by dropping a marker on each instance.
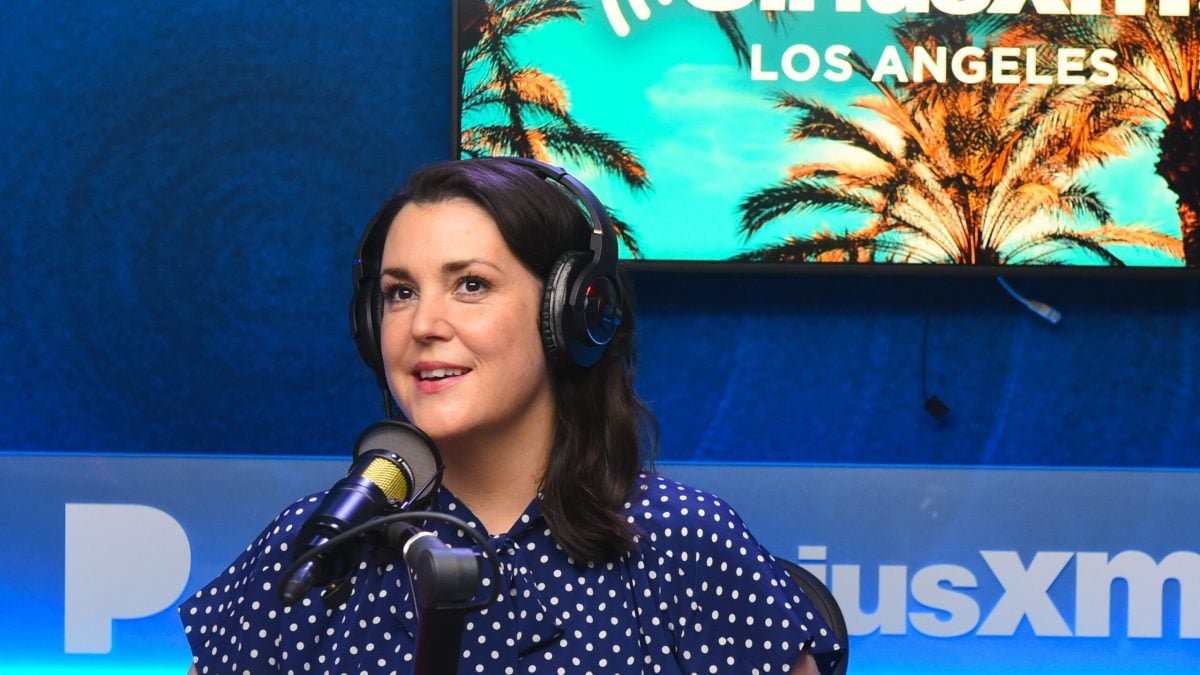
(435, 365)
(433, 386)
(440, 384)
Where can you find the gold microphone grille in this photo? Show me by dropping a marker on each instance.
(388, 476)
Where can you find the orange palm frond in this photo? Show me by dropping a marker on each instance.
(542, 89)
(517, 16)
(1142, 236)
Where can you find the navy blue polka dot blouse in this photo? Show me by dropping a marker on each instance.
(698, 595)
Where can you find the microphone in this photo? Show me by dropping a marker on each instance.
(395, 466)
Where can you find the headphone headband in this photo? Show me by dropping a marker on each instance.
(603, 242)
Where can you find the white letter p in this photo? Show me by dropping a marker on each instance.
(123, 561)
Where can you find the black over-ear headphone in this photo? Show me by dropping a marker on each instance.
(581, 303)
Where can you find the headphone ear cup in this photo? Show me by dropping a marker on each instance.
(365, 311)
(597, 312)
(581, 311)
(556, 299)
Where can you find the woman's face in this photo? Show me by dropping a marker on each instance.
(459, 332)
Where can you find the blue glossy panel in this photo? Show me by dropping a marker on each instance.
(894, 543)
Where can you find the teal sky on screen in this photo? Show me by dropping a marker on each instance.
(706, 132)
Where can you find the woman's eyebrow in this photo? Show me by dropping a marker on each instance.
(396, 272)
(460, 265)
(450, 267)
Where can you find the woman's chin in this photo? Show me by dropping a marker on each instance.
(443, 431)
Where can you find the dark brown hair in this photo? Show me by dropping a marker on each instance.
(604, 435)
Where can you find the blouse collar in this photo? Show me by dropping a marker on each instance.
(444, 501)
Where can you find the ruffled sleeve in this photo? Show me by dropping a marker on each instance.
(731, 606)
(232, 623)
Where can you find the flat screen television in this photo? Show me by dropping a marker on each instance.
(991, 135)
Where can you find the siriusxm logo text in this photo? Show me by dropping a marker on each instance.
(641, 8)
(944, 605)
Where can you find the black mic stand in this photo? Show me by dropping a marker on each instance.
(445, 580)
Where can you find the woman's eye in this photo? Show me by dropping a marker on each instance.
(397, 293)
(472, 285)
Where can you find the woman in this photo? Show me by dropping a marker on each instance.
(503, 333)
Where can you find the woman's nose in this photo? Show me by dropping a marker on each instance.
(430, 320)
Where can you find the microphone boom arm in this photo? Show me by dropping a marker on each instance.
(489, 553)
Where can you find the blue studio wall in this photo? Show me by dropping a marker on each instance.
(183, 186)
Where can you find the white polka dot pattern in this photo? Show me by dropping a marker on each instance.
(699, 595)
